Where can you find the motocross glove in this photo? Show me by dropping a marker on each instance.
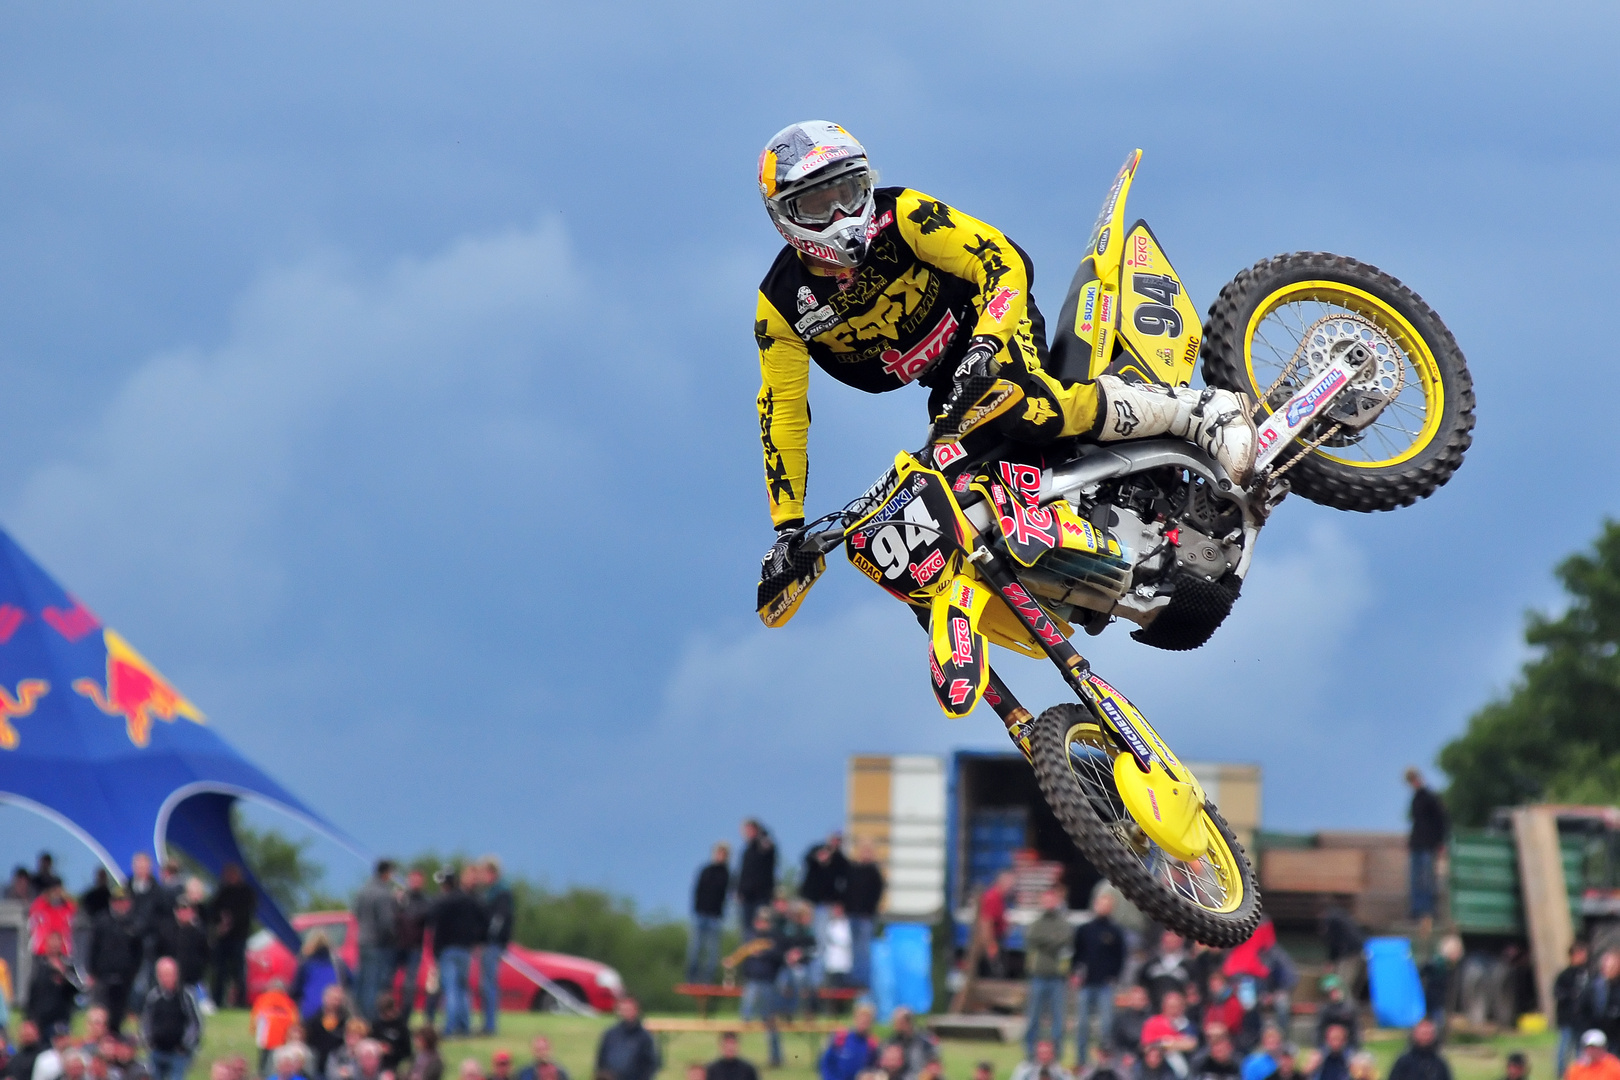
(779, 559)
(979, 361)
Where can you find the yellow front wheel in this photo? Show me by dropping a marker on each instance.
(1213, 899)
(1400, 429)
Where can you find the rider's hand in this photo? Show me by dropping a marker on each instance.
(776, 561)
(979, 361)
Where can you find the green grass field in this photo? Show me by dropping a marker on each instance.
(574, 1039)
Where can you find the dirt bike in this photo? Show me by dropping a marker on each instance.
(1362, 402)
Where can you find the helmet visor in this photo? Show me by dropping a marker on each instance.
(821, 203)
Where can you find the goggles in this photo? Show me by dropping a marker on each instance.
(820, 203)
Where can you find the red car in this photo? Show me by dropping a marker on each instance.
(597, 985)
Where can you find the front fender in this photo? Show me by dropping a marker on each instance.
(958, 657)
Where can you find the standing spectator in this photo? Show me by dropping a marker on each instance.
(44, 875)
(1422, 1060)
(92, 902)
(458, 928)
(708, 910)
(1567, 991)
(426, 1064)
(327, 1029)
(390, 1029)
(851, 1050)
(186, 941)
(1594, 1062)
(992, 922)
(414, 908)
(1042, 1064)
(822, 884)
(756, 872)
(170, 1025)
(728, 1066)
(1173, 1031)
(148, 898)
(376, 915)
(544, 1066)
(1336, 1009)
(627, 1050)
(837, 953)
(1222, 1006)
(1439, 974)
(230, 922)
(29, 1045)
(1099, 959)
(1599, 1006)
(863, 895)
(1047, 945)
(1344, 942)
(1430, 826)
(52, 986)
(115, 958)
(50, 915)
(21, 886)
(799, 939)
(759, 961)
(1335, 1063)
(1263, 1061)
(1219, 1062)
(918, 1049)
(1125, 1033)
(318, 971)
(1167, 971)
(499, 913)
(273, 1017)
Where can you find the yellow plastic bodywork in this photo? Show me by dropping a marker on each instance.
(1167, 801)
(970, 596)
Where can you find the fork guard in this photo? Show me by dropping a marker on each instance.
(958, 657)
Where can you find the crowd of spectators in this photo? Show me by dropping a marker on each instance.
(148, 960)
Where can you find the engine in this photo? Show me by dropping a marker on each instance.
(1183, 544)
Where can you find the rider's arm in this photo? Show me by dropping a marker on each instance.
(966, 247)
(784, 410)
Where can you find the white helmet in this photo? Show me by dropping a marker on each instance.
(817, 188)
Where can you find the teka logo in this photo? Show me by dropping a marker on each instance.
(924, 571)
(908, 365)
(961, 642)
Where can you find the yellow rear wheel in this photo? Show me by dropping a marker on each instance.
(1402, 427)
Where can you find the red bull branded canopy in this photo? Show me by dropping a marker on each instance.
(94, 738)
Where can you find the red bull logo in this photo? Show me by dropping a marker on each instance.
(29, 691)
(136, 692)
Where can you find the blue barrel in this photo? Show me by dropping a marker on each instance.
(1397, 992)
(903, 969)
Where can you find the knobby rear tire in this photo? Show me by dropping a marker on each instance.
(1117, 861)
(1319, 478)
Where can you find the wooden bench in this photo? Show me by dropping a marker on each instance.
(706, 994)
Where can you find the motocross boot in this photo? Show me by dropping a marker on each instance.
(1217, 421)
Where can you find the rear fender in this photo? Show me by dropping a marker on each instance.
(958, 656)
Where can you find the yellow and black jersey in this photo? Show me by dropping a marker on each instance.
(933, 279)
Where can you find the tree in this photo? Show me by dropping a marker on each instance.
(1556, 735)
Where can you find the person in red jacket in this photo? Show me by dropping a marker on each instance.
(50, 913)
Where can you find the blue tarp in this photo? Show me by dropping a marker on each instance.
(903, 969)
(94, 738)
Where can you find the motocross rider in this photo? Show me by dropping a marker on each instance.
(886, 286)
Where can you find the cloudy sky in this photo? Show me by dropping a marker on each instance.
(383, 372)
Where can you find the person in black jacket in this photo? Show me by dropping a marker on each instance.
(115, 958)
(627, 1050)
(458, 926)
(1097, 960)
(708, 911)
(759, 962)
(822, 884)
(1567, 990)
(230, 923)
(171, 1026)
(863, 895)
(51, 987)
(1430, 826)
(1599, 1004)
(414, 907)
(728, 1066)
(25, 1052)
(1422, 1060)
(756, 873)
(499, 912)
